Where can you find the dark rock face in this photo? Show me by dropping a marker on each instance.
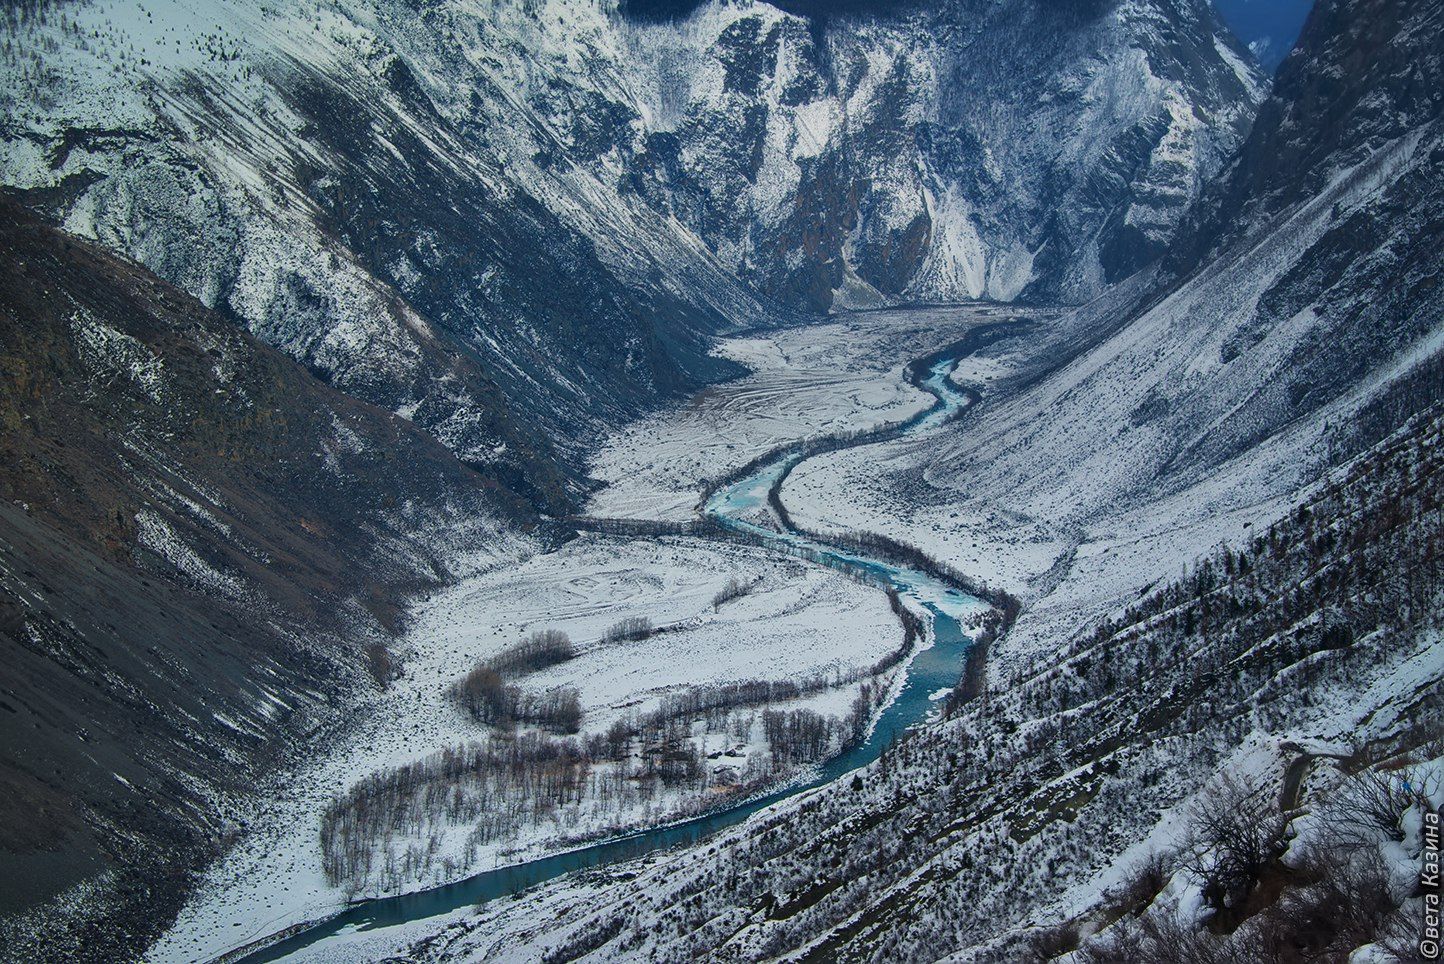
(197, 542)
(1346, 160)
(465, 257)
(932, 153)
(1365, 72)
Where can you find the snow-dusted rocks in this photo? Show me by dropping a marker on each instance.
(940, 152)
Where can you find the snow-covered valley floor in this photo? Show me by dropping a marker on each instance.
(1098, 747)
(842, 375)
(796, 622)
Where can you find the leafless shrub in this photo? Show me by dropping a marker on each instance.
(800, 736)
(714, 703)
(734, 589)
(1339, 901)
(543, 648)
(1336, 901)
(1137, 891)
(1433, 746)
(484, 694)
(1399, 936)
(497, 787)
(669, 754)
(1048, 943)
(593, 936)
(490, 699)
(379, 664)
(1332, 901)
(1156, 938)
(1374, 802)
(1234, 832)
(558, 709)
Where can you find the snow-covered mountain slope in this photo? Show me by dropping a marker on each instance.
(1363, 74)
(356, 188)
(1316, 318)
(204, 553)
(1194, 404)
(1283, 674)
(478, 213)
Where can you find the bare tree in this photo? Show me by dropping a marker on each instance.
(633, 627)
(1049, 943)
(543, 648)
(1235, 831)
(734, 589)
(1157, 938)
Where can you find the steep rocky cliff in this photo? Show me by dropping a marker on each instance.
(934, 151)
(355, 191)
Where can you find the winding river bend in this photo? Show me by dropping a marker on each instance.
(931, 670)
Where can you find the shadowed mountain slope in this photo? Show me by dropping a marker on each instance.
(201, 545)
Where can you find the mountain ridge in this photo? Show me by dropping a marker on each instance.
(288, 169)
